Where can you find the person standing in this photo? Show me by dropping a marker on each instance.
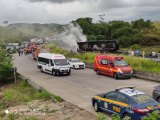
(159, 55)
(143, 54)
(19, 52)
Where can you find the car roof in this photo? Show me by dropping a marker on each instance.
(130, 92)
(74, 58)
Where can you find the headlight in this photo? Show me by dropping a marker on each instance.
(119, 70)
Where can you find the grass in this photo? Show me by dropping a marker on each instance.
(137, 63)
(22, 93)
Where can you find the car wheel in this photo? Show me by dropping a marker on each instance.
(54, 73)
(115, 76)
(158, 99)
(96, 106)
(41, 69)
(98, 72)
(127, 117)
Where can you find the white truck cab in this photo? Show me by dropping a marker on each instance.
(55, 64)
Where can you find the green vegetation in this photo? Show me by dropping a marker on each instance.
(22, 93)
(152, 116)
(137, 63)
(5, 65)
(128, 33)
(24, 32)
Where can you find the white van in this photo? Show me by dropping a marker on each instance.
(55, 64)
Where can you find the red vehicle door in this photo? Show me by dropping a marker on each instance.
(105, 67)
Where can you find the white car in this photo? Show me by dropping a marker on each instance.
(76, 63)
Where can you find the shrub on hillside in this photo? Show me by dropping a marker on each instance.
(5, 65)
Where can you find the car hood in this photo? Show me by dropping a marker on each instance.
(79, 63)
(125, 68)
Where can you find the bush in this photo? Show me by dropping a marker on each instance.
(101, 117)
(5, 65)
(153, 116)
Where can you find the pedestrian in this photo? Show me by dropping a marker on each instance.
(153, 54)
(137, 52)
(159, 55)
(19, 52)
(143, 54)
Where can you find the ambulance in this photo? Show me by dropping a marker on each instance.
(114, 66)
(55, 64)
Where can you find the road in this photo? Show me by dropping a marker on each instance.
(80, 86)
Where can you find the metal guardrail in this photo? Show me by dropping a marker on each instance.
(36, 87)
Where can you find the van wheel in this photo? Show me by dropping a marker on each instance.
(127, 117)
(54, 73)
(115, 76)
(69, 73)
(98, 72)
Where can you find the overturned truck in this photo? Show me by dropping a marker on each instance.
(99, 45)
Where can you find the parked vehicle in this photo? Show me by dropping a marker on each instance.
(129, 103)
(55, 64)
(76, 63)
(156, 93)
(114, 66)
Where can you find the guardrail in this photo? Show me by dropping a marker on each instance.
(137, 74)
(31, 83)
(36, 87)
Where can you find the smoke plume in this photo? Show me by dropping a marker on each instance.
(68, 39)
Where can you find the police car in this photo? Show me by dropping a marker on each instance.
(129, 103)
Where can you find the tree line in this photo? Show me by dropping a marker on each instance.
(128, 33)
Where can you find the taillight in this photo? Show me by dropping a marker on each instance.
(141, 111)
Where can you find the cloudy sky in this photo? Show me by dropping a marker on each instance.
(64, 11)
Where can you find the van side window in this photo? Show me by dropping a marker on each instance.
(43, 60)
(51, 62)
(110, 62)
(104, 62)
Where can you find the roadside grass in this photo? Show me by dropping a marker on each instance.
(137, 63)
(22, 93)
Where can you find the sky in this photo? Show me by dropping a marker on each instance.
(64, 11)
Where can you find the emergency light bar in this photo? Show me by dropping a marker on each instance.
(124, 87)
(118, 58)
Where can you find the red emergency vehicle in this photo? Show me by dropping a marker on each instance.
(114, 66)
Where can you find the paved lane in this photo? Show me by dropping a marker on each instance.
(80, 86)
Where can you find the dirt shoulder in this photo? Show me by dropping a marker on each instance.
(17, 103)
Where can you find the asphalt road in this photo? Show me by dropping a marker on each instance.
(80, 86)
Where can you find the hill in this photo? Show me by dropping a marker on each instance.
(24, 31)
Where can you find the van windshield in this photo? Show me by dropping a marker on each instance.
(60, 62)
(121, 63)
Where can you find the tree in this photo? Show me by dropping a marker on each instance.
(142, 25)
(5, 65)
